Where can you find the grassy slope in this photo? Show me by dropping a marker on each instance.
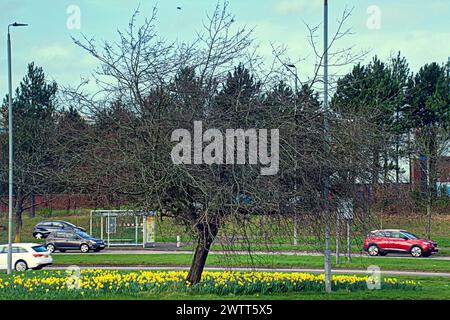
(269, 261)
(167, 230)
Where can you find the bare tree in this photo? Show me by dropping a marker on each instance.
(150, 88)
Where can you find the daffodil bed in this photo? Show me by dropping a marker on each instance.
(95, 283)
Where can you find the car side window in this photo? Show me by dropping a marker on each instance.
(397, 235)
(403, 236)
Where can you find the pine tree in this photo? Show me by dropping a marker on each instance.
(35, 155)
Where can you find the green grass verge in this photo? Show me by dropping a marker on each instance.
(267, 261)
(434, 288)
(430, 288)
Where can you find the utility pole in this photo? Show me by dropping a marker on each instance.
(10, 135)
(10, 169)
(293, 66)
(327, 141)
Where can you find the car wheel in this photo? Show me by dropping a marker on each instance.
(84, 248)
(21, 266)
(373, 250)
(39, 235)
(50, 248)
(416, 251)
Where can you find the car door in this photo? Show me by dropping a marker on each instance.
(73, 241)
(3, 257)
(60, 240)
(404, 242)
(20, 253)
(383, 240)
(395, 241)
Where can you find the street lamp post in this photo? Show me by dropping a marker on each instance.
(327, 264)
(10, 130)
(293, 66)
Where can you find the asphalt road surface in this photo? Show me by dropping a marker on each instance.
(288, 253)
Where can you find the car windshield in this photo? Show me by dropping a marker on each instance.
(39, 249)
(410, 235)
(84, 235)
(70, 224)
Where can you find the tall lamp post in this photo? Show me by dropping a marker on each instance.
(327, 264)
(289, 67)
(10, 128)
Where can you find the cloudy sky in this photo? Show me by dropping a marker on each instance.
(419, 29)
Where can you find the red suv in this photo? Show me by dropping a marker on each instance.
(382, 242)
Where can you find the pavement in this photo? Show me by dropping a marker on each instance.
(317, 271)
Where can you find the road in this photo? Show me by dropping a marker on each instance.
(335, 271)
(288, 253)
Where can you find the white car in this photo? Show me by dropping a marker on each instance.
(25, 256)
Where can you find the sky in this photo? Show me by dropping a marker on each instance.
(419, 29)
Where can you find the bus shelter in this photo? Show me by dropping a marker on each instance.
(123, 227)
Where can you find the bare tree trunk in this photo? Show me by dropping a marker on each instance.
(429, 196)
(33, 206)
(295, 229)
(349, 245)
(206, 236)
(18, 216)
(68, 204)
(385, 167)
(375, 168)
(327, 262)
(338, 236)
(397, 156)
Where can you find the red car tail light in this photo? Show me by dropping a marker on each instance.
(38, 255)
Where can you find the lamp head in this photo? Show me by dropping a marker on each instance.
(16, 24)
